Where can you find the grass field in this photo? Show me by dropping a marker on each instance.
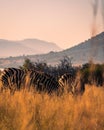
(33, 111)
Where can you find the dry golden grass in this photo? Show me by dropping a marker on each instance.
(33, 111)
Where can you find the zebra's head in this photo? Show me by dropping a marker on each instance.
(66, 82)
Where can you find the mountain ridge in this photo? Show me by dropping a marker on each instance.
(91, 49)
(26, 47)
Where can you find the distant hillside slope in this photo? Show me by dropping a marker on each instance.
(92, 49)
(26, 47)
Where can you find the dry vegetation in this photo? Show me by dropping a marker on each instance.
(33, 111)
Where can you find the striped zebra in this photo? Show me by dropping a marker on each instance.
(66, 82)
(71, 83)
(12, 78)
(41, 81)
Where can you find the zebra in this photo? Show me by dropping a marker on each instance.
(12, 78)
(72, 83)
(66, 82)
(42, 82)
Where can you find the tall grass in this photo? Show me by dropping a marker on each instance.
(32, 111)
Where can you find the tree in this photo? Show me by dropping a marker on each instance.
(66, 62)
(28, 65)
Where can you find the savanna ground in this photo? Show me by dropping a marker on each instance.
(32, 111)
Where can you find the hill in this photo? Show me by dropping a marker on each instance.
(26, 47)
(91, 49)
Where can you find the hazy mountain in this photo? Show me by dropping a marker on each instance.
(26, 47)
(91, 49)
(40, 46)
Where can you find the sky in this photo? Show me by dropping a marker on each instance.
(65, 22)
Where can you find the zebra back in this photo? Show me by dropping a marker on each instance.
(41, 81)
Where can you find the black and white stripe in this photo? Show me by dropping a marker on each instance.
(66, 82)
(13, 78)
(72, 83)
(41, 81)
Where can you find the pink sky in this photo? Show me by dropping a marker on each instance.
(65, 22)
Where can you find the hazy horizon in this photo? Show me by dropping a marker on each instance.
(65, 23)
